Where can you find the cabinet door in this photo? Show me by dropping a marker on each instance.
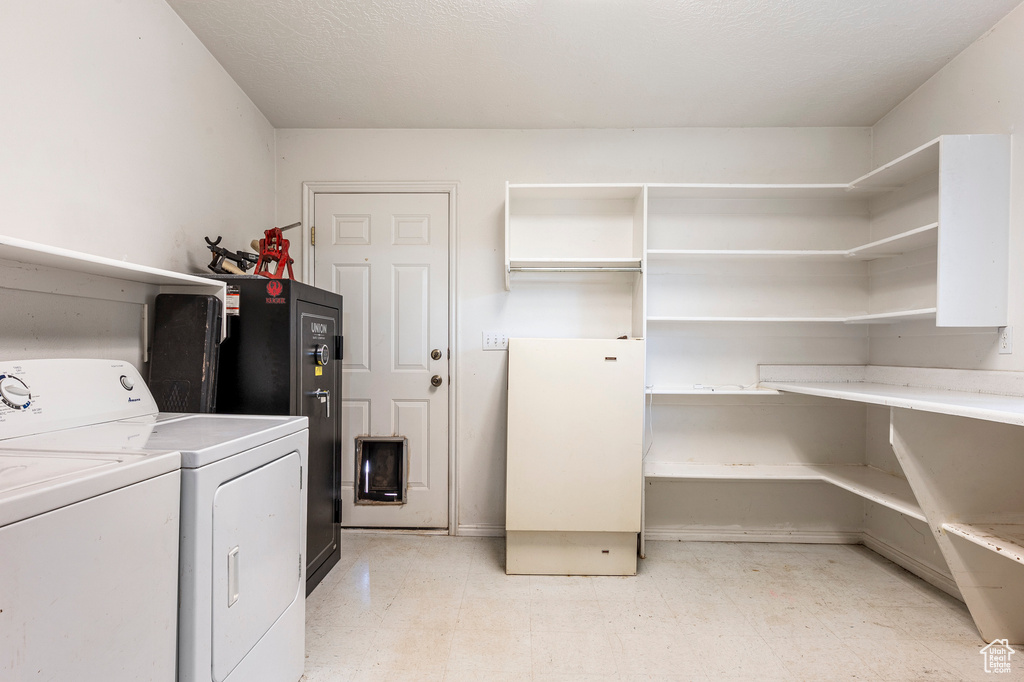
(575, 429)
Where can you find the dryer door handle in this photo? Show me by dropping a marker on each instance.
(232, 576)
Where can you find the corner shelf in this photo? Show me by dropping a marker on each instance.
(864, 481)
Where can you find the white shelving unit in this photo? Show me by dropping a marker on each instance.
(28, 266)
(731, 276)
(558, 234)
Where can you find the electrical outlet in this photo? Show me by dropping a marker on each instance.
(495, 341)
(1005, 340)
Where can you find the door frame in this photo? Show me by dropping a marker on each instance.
(309, 191)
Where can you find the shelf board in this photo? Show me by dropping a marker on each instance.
(868, 482)
(1007, 409)
(53, 270)
(1006, 539)
(911, 240)
(900, 171)
(575, 191)
(712, 391)
(893, 317)
(747, 253)
(871, 318)
(574, 263)
(734, 472)
(739, 320)
(43, 255)
(875, 485)
(749, 190)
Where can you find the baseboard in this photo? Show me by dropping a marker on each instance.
(921, 570)
(834, 537)
(480, 530)
(394, 531)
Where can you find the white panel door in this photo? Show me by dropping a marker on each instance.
(387, 254)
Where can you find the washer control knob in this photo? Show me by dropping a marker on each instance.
(127, 383)
(322, 355)
(14, 392)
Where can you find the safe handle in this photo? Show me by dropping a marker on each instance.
(324, 396)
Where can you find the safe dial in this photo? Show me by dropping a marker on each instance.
(14, 392)
(322, 355)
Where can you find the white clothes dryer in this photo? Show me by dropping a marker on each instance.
(243, 525)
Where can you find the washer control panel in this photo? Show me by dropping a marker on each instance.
(37, 396)
(14, 392)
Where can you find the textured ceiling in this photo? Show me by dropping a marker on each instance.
(583, 63)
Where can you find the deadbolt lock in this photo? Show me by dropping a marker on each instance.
(435, 354)
(436, 380)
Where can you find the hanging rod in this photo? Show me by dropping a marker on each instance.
(557, 269)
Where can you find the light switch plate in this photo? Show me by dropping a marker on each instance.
(495, 341)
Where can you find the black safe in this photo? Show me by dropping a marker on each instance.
(283, 356)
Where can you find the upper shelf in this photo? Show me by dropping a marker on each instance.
(35, 268)
(911, 240)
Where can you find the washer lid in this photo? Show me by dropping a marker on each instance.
(33, 483)
(200, 438)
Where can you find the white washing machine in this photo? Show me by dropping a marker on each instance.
(88, 553)
(243, 520)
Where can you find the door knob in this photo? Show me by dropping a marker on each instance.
(436, 380)
(436, 354)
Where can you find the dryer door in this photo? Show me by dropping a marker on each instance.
(257, 561)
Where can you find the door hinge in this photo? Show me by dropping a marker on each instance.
(312, 235)
(300, 478)
(339, 347)
(300, 566)
(337, 509)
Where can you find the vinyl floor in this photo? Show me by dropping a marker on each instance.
(438, 608)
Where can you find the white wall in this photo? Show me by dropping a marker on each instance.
(980, 91)
(481, 161)
(121, 136)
